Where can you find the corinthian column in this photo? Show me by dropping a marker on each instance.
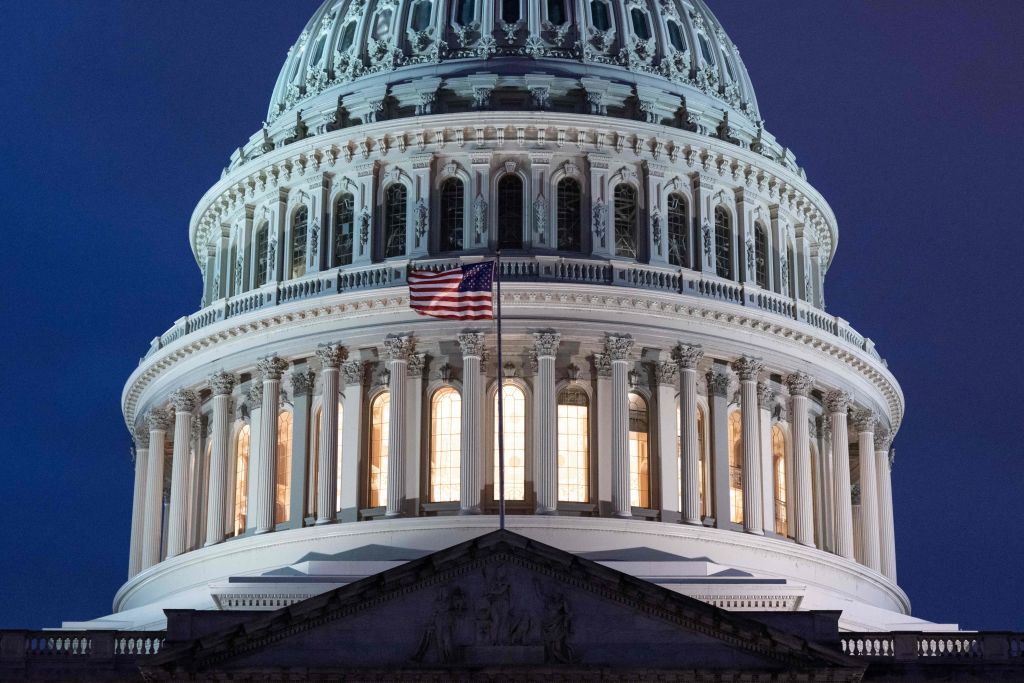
(803, 500)
(688, 356)
(331, 357)
(864, 421)
(546, 423)
(618, 348)
(883, 470)
(222, 383)
(398, 349)
(353, 373)
(158, 420)
(837, 402)
(471, 479)
(185, 401)
(748, 370)
(270, 370)
(138, 501)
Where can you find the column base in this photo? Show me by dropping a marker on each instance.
(321, 522)
(623, 515)
(393, 515)
(694, 522)
(209, 543)
(755, 532)
(469, 511)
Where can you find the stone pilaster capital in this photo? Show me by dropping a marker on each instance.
(353, 372)
(331, 355)
(141, 437)
(864, 419)
(765, 395)
(399, 347)
(271, 367)
(748, 368)
(602, 365)
(883, 439)
(800, 383)
(417, 362)
(618, 346)
(546, 343)
(472, 344)
(687, 356)
(256, 395)
(667, 372)
(159, 419)
(303, 382)
(837, 401)
(184, 400)
(222, 383)
(718, 382)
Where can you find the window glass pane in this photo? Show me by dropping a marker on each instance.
(318, 51)
(452, 214)
(570, 210)
(705, 49)
(640, 26)
(678, 228)
(573, 446)
(464, 11)
(394, 220)
(728, 65)
(510, 11)
(556, 12)
(639, 453)
(779, 471)
(445, 445)
(380, 420)
(262, 259)
(300, 223)
(283, 475)
(421, 15)
(241, 478)
(601, 14)
(510, 212)
(382, 25)
(723, 243)
(675, 36)
(344, 220)
(625, 220)
(348, 36)
(735, 468)
(761, 255)
(515, 442)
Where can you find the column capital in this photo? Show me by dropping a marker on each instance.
(159, 419)
(603, 365)
(864, 419)
(472, 344)
(667, 373)
(184, 400)
(256, 395)
(331, 355)
(687, 356)
(800, 383)
(765, 395)
(141, 437)
(353, 372)
(399, 346)
(883, 439)
(417, 362)
(618, 346)
(546, 343)
(718, 382)
(748, 368)
(271, 367)
(303, 382)
(837, 401)
(222, 383)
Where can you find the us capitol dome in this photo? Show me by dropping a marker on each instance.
(678, 404)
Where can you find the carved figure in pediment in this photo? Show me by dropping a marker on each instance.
(439, 636)
(555, 625)
(497, 622)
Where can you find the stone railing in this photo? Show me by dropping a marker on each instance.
(933, 647)
(523, 269)
(85, 646)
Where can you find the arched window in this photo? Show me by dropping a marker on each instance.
(465, 10)
(241, 479)
(510, 212)
(344, 222)
(641, 27)
(639, 452)
(705, 49)
(452, 214)
(779, 471)
(445, 445)
(761, 255)
(283, 475)
(348, 36)
(735, 468)
(678, 227)
(675, 36)
(723, 243)
(556, 12)
(791, 266)
(380, 421)
(515, 442)
(510, 11)
(300, 225)
(260, 247)
(573, 445)
(570, 208)
(420, 15)
(395, 199)
(625, 220)
(601, 14)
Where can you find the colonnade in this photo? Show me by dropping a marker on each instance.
(338, 486)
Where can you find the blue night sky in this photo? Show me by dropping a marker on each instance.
(118, 116)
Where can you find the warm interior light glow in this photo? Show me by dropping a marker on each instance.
(573, 446)
(735, 468)
(779, 470)
(639, 453)
(380, 421)
(445, 445)
(515, 443)
(283, 475)
(241, 478)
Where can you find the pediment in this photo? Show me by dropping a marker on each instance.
(499, 601)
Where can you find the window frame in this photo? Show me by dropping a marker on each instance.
(490, 498)
(651, 501)
(588, 459)
(382, 487)
(433, 396)
(728, 253)
(635, 220)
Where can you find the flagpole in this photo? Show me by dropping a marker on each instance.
(501, 402)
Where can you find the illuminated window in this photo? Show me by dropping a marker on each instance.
(625, 220)
(570, 224)
(380, 420)
(300, 223)
(241, 478)
(639, 453)
(314, 476)
(779, 470)
(445, 445)
(262, 257)
(735, 468)
(283, 478)
(761, 255)
(515, 442)
(510, 212)
(452, 214)
(723, 243)
(573, 446)
(344, 221)
(678, 226)
(394, 220)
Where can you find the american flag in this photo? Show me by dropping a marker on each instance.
(460, 293)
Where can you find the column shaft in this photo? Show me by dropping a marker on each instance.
(138, 504)
(690, 461)
(158, 421)
(218, 489)
(545, 473)
(837, 403)
(353, 424)
(753, 513)
(471, 445)
(886, 527)
(177, 527)
(869, 526)
(618, 348)
(264, 503)
(398, 349)
(803, 503)
(327, 466)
